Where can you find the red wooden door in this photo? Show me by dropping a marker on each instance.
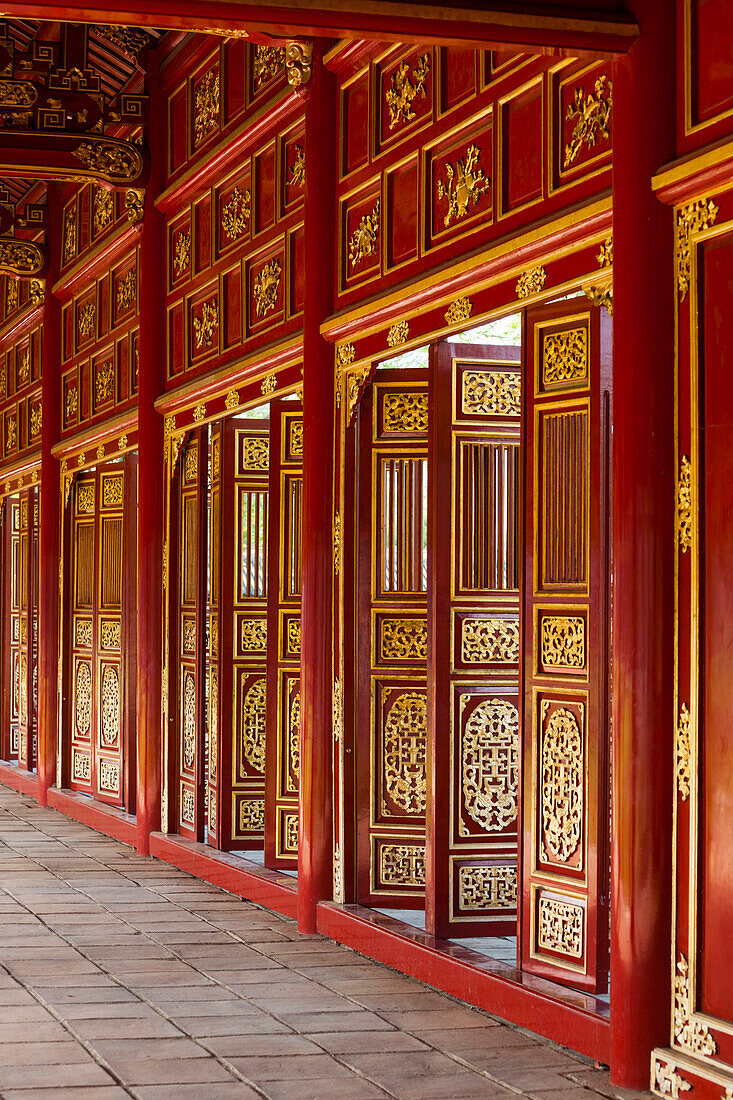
(566, 636)
(391, 639)
(11, 627)
(188, 651)
(27, 590)
(473, 630)
(282, 742)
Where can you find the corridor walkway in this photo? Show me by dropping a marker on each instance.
(121, 976)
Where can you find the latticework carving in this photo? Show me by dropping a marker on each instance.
(189, 719)
(292, 829)
(563, 641)
(562, 794)
(560, 926)
(110, 634)
(81, 766)
(254, 634)
(252, 815)
(404, 752)
(85, 498)
(256, 453)
(294, 742)
(405, 412)
(565, 356)
(83, 632)
(490, 764)
(667, 1081)
(113, 491)
(110, 706)
(402, 864)
(293, 646)
(489, 641)
(404, 639)
(487, 887)
(491, 393)
(253, 724)
(109, 775)
(689, 1033)
(187, 805)
(83, 698)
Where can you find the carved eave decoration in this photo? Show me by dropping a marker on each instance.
(298, 63)
(24, 259)
(131, 40)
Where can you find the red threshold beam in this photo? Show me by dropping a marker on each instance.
(571, 27)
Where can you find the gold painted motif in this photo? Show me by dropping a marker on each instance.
(490, 763)
(487, 887)
(110, 706)
(404, 639)
(252, 815)
(459, 310)
(253, 724)
(562, 794)
(405, 733)
(212, 810)
(182, 253)
(682, 753)
(256, 454)
(206, 324)
(83, 698)
(466, 184)
(189, 635)
(269, 384)
(232, 400)
(103, 208)
(405, 412)
(267, 287)
(127, 289)
(363, 241)
(491, 393)
(563, 641)
(405, 87)
(298, 62)
(565, 356)
(398, 334)
(296, 173)
(206, 105)
(689, 1033)
(693, 218)
(684, 505)
(104, 382)
(402, 864)
(236, 214)
(269, 61)
(110, 634)
(560, 926)
(593, 114)
(345, 355)
(531, 282)
(87, 318)
(667, 1082)
(24, 367)
(254, 634)
(112, 491)
(337, 712)
(489, 641)
(189, 720)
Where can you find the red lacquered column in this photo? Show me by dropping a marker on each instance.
(643, 548)
(150, 477)
(49, 515)
(315, 847)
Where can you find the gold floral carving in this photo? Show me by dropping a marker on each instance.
(232, 400)
(405, 751)
(83, 698)
(402, 864)
(491, 393)
(134, 205)
(189, 719)
(122, 443)
(206, 105)
(268, 63)
(563, 641)
(83, 633)
(296, 172)
(487, 887)
(113, 160)
(296, 438)
(256, 454)
(236, 214)
(398, 334)
(684, 505)
(112, 492)
(298, 62)
(182, 252)
(489, 641)
(190, 465)
(127, 289)
(11, 294)
(104, 382)
(490, 763)
(292, 830)
(267, 287)
(251, 815)
(206, 324)
(269, 384)
(20, 258)
(36, 420)
(345, 355)
(110, 706)
(404, 639)
(466, 184)
(605, 254)
(187, 805)
(560, 926)
(562, 793)
(337, 542)
(565, 356)
(11, 433)
(81, 768)
(600, 296)
(189, 635)
(667, 1082)
(253, 724)
(17, 93)
(294, 743)
(72, 402)
(199, 412)
(593, 115)
(355, 381)
(37, 291)
(101, 452)
(363, 241)
(213, 723)
(86, 319)
(338, 874)
(693, 218)
(293, 647)
(682, 753)
(69, 234)
(690, 1034)
(531, 282)
(254, 634)
(110, 634)
(405, 87)
(405, 412)
(459, 310)
(24, 367)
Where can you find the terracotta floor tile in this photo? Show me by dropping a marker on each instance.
(203, 1026)
(237, 1090)
(347, 1042)
(351, 1088)
(171, 1071)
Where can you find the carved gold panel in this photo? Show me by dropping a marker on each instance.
(402, 864)
(562, 781)
(490, 763)
(404, 751)
(487, 887)
(560, 925)
(562, 642)
(489, 641)
(491, 393)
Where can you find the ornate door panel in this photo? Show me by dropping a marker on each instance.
(26, 584)
(282, 748)
(474, 561)
(190, 631)
(101, 650)
(11, 626)
(566, 635)
(700, 1062)
(391, 708)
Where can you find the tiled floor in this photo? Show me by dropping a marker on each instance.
(121, 976)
